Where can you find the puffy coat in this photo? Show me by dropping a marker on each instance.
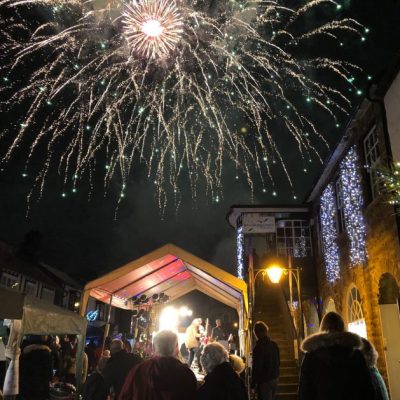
(36, 371)
(334, 368)
(222, 383)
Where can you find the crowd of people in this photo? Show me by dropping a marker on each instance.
(337, 365)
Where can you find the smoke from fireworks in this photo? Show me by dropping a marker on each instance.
(165, 83)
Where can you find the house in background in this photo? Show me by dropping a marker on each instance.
(356, 232)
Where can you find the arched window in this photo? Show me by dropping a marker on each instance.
(355, 315)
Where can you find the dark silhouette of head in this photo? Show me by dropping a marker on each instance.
(332, 322)
(261, 329)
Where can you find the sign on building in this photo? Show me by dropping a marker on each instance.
(258, 223)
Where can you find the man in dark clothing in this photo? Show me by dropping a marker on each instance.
(118, 366)
(265, 371)
(218, 332)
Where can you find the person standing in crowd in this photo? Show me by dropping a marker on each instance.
(95, 387)
(69, 361)
(36, 369)
(163, 377)
(237, 364)
(118, 366)
(218, 333)
(371, 357)
(192, 340)
(221, 381)
(334, 367)
(266, 362)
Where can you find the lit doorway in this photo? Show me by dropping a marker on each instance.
(355, 316)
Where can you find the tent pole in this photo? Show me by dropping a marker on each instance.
(107, 330)
(79, 365)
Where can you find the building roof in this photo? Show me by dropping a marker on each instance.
(237, 210)
(10, 259)
(60, 276)
(172, 271)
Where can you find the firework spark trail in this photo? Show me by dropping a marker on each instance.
(158, 81)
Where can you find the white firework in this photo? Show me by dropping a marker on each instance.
(166, 83)
(152, 27)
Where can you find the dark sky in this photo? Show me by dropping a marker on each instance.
(87, 237)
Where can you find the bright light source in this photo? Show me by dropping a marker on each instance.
(77, 304)
(275, 273)
(185, 312)
(235, 325)
(169, 319)
(152, 28)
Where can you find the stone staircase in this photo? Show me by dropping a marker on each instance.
(267, 309)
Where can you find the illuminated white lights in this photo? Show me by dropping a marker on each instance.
(240, 251)
(329, 234)
(352, 206)
(152, 28)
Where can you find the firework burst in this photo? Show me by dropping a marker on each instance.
(165, 83)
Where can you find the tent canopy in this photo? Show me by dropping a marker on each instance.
(39, 317)
(169, 270)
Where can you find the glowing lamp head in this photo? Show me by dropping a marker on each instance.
(152, 28)
(275, 273)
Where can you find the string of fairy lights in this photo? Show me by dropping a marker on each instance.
(240, 250)
(353, 203)
(329, 234)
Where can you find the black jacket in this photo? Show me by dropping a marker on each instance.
(117, 369)
(222, 383)
(334, 368)
(266, 361)
(36, 371)
(95, 388)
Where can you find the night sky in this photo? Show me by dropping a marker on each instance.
(86, 237)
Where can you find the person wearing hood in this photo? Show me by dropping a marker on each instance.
(333, 367)
(36, 369)
(162, 377)
(221, 381)
(266, 362)
(371, 357)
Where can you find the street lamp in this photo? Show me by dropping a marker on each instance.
(275, 274)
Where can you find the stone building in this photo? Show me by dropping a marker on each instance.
(356, 232)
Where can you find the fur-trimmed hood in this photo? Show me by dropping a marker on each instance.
(331, 339)
(33, 347)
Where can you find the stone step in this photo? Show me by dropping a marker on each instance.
(286, 396)
(287, 388)
(289, 379)
(288, 363)
(288, 371)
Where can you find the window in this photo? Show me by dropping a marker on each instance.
(355, 313)
(372, 155)
(48, 294)
(293, 238)
(9, 280)
(31, 288)
(339, 206)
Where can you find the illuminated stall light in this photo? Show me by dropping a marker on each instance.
(352, 206)
(240, 251)
(329, 234)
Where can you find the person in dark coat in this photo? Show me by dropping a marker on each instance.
(266, 362)
(36, 370)
(163, 377)
(334, 367)
(221, 381)
(95, 387)
(371, 357)
(118, 366)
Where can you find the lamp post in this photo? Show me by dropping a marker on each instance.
(275, 273)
